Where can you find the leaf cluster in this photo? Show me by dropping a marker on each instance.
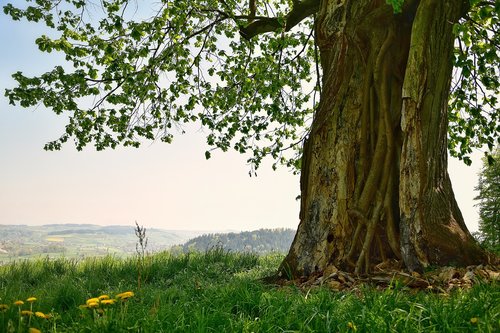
(132, 75)
(474, 100)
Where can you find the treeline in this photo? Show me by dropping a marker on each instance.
(95, 230)
(259, 241)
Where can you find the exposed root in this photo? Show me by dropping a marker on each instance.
(364, 256)
(362, 221)
(378, 184)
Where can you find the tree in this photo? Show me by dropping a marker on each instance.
(489, 203)
(353, 94)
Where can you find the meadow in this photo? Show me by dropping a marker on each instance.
(219, 291)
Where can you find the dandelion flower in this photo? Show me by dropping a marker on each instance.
(41, 315)
(93, 300)
(3, 307)
(92, 305)
(103, 297)
(108, 301)
(125, 295)
(26, 313)
(351, 326)
(18, 303)
(474, 320)
(31, 299)
(34, 330)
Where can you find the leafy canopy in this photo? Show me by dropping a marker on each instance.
(247, 72)
(474, 100)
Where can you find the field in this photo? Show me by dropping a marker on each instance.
(71, 241)
(219, 291)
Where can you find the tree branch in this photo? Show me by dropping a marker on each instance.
(299, 12)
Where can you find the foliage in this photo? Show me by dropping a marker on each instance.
(184, 62)
(396, 4)
(474, 102)
(221, 291)
(251, 78)
(489, 203)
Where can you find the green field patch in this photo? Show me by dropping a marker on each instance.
(55, 239)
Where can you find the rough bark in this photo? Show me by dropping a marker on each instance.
(374, 181)
(434, 229)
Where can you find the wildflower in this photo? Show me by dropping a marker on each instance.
(3, 307)
(92, 300)
(26, 313)
(34, 330)
(108, 301)
(125, 295)
(41, 315)
(103, 297)
(351, 326)
(31, 299)
(18, 303)
(92, 305)
(474, 320)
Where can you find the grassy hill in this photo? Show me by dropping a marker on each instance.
(80, 240)
(220, 291)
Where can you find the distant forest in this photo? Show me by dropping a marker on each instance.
(259, 241)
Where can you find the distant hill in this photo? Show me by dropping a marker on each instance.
(19, 242)
(258, 241)
(81, 240)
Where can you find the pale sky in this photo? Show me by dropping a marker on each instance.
(158, 185)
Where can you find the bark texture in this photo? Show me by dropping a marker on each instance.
(374, 181)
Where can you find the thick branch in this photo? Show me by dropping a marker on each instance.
(299, 12)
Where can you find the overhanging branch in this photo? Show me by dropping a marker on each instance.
(299, 12)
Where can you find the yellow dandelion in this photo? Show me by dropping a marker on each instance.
(474, 320)
(31, 299)
(18, 303)
(103, 297)
(108, 301)
(4, 307)
(93, 300)
(34, 330)
(125, 295)
(351, 326)
(26, 313)
(92, 305)
(40, 315)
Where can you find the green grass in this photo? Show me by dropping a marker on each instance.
(221, 292)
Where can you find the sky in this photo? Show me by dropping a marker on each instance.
(158, 185)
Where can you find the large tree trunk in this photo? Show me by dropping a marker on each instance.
(374, 180)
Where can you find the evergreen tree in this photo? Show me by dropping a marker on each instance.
(489, 203)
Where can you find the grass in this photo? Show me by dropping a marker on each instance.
(219, 291)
